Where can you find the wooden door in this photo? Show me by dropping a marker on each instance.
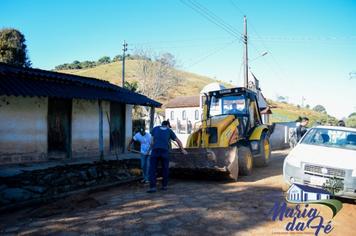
(117, 127)
(59, 127)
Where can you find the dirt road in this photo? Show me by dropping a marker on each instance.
(189, 207)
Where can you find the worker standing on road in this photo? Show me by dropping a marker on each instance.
(161, 137)
(302, 128)
(145, 140)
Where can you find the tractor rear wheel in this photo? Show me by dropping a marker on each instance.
(265, 151)
(245, 160)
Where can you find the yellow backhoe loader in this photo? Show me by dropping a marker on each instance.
(231, 140)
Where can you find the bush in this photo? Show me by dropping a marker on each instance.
(319, 108)
(351, 122)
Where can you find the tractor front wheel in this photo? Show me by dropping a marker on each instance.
(265, 151)
(245, 160)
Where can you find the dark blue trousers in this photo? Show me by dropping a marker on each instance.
(156, 156)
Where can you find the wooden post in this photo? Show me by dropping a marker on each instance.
(101, 135)
(152, 117)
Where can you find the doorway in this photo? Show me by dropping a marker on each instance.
(59, 128)
(117, 127)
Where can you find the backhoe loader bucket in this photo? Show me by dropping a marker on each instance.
(209, 162)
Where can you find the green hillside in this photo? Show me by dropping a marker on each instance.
(191, 84)
(287, 112)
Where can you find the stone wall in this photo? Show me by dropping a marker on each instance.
(51, 182)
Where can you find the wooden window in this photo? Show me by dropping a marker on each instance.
(196, 114)
(172, 115)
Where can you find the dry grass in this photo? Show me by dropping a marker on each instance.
(288, 112)
(190, 83)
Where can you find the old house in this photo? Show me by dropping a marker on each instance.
(49, 115)
(185, 113)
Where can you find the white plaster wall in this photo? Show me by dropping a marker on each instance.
(279, 138)
(23, 129)
(85, 128)
(128, 124)
(178, 114)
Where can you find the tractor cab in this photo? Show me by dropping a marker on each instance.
(239, 102)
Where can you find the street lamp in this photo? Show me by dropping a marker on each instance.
(262, 55)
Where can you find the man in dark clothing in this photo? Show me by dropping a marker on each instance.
(302, 128)
(161, 137)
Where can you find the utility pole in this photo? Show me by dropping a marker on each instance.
(245, 54)
(303, 99)
(124, 49)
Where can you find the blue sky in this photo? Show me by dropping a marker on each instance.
(311, 43)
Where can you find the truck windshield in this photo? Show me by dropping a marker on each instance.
(331, 138)
(228, 105)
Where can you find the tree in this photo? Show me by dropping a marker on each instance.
(319, 108)
(117, 58)
(352, 114)
(13, 49)
(75, 65)
(167, 59)
(307, 106)
(157, 76)
(131, 86)
(351, 122)
(104, 60)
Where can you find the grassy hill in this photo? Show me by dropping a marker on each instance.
(287, 112)
(191, 84)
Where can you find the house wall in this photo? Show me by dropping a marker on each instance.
(280, 137)
(23, 129)
(85, 128)
(190, 111)
(265, 118)
(128, 124)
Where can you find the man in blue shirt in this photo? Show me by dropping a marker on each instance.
(160, 143)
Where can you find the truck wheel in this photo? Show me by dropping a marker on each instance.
(265, 151)
(245, 160)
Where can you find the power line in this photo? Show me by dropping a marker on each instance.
(219, 19)
(212, 18)
(178, 41)
(187, 45)
(211, 53)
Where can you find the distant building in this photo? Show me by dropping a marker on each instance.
(185, 113)
(303, 193)
(48, 115)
